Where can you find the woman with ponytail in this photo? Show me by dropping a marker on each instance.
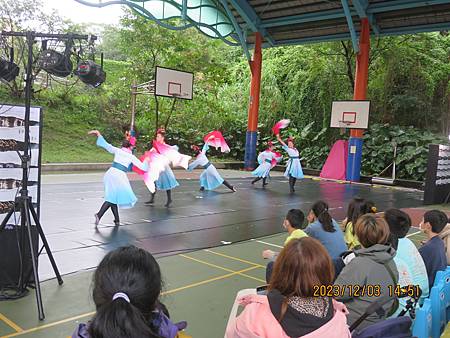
(325, 229)
(127, 285)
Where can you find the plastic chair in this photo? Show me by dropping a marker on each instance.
(437, 300)
(422, 323)
(440, 302)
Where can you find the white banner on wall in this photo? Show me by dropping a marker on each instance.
(12, 136)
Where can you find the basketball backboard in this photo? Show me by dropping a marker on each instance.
(350, 114)
(173, 83)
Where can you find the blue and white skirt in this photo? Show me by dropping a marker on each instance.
(210, 178)
(166, 180)
(294, 168)
(118, 189)
(263, 170)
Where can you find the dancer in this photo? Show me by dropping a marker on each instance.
(293, 167)
(118, 192)
(267, 160)
(210, 178)
(166, 180)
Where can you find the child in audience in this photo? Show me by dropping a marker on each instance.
(372, 266)
(127, 285)
(293, 306)
(445, 236)
(357, 207)
(410, 265)
(325, 229)
(433, 251)
(292, 223)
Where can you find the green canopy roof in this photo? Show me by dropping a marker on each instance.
(208, 16)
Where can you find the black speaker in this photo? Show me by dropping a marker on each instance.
(15, 256)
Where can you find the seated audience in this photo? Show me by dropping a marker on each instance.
(126, 288)
(445, 236)
(357, 207)
(292, 223)
(325, 229)
(294, 306)
(433, 251)
(409, 262)
(372, 267)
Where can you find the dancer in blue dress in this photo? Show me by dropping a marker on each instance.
(210, 178)
(118, 191)
(267, 160)
(293, 167)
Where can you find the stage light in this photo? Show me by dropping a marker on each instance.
(90, 73)
(55, 63)
(8, 70)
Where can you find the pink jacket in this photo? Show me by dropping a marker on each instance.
(257, 321)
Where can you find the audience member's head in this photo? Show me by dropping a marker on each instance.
(399, 224)
(294, 219)
(302, 264)
(319, 212)
(371, 230)
(127, 284)
(434, 221)
(356, 208)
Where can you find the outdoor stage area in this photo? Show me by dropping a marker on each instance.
(208, 244)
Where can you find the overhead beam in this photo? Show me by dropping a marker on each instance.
(390, 6)
(237, 28)
(304, 18)
(251, 18)
(384, 32)
(361, 8)
(351, 26)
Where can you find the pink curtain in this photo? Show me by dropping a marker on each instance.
(336, 164)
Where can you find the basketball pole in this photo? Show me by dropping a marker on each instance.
(360, 93)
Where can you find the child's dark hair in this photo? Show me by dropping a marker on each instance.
(356, 208)
(438, 220)
(370, 207)
(320, 210)
(126, 144)
(296, 218)
(399, 224)
(135, 273)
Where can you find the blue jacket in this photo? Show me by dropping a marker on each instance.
(333, 241)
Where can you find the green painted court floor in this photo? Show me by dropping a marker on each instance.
(199, 287)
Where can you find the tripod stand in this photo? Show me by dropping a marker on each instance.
(23, 203)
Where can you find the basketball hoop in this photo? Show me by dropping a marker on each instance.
(350, 114)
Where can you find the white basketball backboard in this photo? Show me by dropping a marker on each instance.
(173, 83)
(350, 114)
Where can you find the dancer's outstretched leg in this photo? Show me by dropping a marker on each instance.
(229, 186)
(105, 206)
(256, 180)
(169, 198)
(152, 198)
(115, 211)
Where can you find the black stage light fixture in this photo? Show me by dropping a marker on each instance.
(8, 70)
(90, 73)
(55, 63)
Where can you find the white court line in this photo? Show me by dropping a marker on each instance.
(267, 243)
